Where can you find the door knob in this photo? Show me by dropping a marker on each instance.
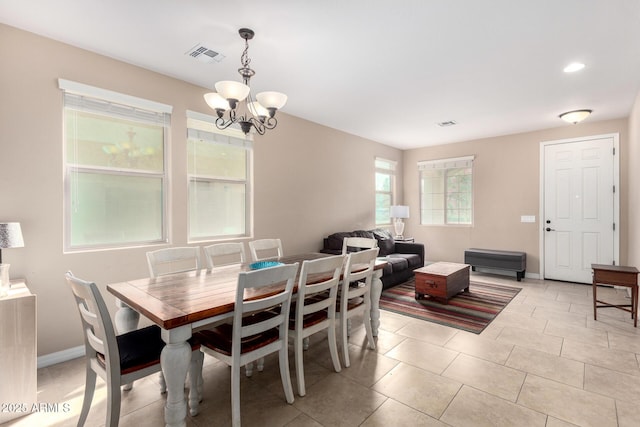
(550, 229)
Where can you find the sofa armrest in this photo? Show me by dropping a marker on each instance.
(410, 248)
(331, 251)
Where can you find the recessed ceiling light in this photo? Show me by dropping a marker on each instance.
(573, 67)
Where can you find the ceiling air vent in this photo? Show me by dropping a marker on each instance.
(447, 123)
(204, 54)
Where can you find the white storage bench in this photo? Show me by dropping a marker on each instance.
(497, 260)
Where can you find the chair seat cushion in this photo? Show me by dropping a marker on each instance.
(351, 304)
(308, 319)
(140, 349)
(219, 338)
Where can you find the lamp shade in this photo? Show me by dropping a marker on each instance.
(575, 116)
(11, 235)
(230, 89)
(257, 109)
(272, 99)
(215, 101)
(399, 211)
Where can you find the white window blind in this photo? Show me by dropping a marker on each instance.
(114, 162)
(219, 168)
(456, 162)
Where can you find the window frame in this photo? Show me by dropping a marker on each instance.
(137, 107)
(391, 171)
(237, 138)
(446, 165)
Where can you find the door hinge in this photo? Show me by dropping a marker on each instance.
(614, 262)
(614, 151)
(614, 189)
(614, 226)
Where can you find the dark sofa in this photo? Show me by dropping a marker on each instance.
(402, 257)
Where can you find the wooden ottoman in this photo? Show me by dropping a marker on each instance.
(442, 280)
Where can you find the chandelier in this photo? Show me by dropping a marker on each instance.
(235, 98)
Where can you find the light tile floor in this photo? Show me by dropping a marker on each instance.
(543, 361)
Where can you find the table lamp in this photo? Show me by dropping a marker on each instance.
(399, 212)
(10, 237)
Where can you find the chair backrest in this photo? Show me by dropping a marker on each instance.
(265, 249)
(99, 334)
(173, 260)
(358, 268)
(316, 277)
(250, 283)
(224, 254)
(358, 243)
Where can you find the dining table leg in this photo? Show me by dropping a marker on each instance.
(175, 361)
(126, 318)
(376, 291)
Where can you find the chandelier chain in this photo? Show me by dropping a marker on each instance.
(246, 72)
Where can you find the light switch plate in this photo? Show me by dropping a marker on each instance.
(528, 218)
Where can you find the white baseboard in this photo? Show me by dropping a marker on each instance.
(60, 356)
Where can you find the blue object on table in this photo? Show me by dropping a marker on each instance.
(264, 264)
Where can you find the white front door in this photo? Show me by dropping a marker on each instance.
(579, 206)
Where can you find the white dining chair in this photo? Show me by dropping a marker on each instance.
(314, 309)
(224, 254)
(221, 254)
(168, 261)
(355, 296)
(120, 359)
(265, 249)
(260, 327)
(173, 260)
(358, 243)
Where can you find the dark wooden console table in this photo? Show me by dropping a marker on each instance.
(616, 275)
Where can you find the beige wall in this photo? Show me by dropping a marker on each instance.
(309, 180)
(506, 173)
(634, 185)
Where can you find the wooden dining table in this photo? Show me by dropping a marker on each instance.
(180, 303)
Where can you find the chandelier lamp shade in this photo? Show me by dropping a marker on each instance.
(575, 116)
(234, 104)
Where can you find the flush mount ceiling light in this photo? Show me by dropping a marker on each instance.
(575, 116)
(235, 97)
(573, 67)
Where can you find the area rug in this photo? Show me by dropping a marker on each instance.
(470, 311)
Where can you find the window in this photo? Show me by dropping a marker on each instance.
(219, 167)
(446, 191)
(385, 186)
(114, 161)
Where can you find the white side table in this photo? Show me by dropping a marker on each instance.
(18, 356)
